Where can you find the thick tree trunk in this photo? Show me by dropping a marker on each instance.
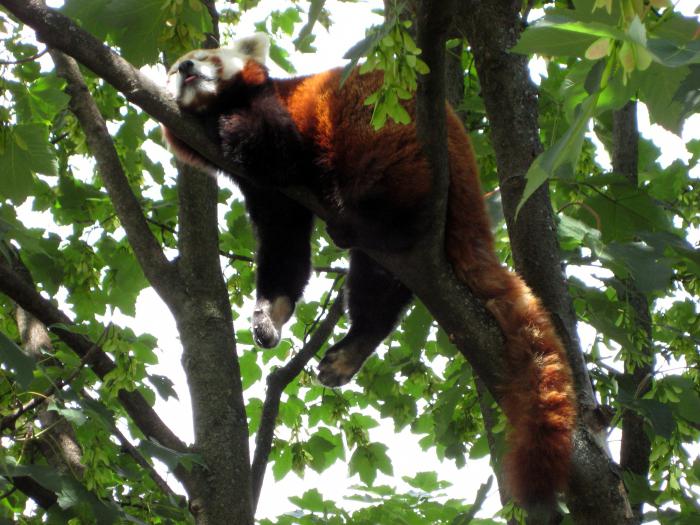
(222, 492)
(596, 494)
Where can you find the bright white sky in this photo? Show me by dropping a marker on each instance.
(350, 21)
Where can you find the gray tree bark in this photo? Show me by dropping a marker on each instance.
(636, 445)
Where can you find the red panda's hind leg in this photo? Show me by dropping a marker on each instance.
(375, 301)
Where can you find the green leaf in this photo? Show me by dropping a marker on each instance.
(381, 458)
(638, 488)
(124, 280)
(480, 447)
(324, 449)
(24, 150)
(672, 54)
(416, 327)
(305, 37)
(133, 25)
(561, 158)
(280, 57)
(283, 463)
(285, 20)
(650, 270)
(659, 414)
(366, 460)
(566, 33)
(659, 88)
(426, 481)
(164, 386)
(689, 406)
(75, 416)
(311, 501)
(361, 463)
(362, 48)
(250, 370)
(553, 41)
(626, 211)
(170, 457)
(17, 361)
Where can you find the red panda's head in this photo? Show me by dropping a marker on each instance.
(197, 78)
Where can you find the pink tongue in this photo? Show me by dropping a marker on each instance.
(190, 79)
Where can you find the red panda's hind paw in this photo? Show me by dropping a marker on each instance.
(339, 365)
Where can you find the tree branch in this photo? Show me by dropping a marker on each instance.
(277, 381)
(636, 445)
(474, 332)
(433, 21)
(9, 420)
(24, 60)
(511, 104)
(42, 496)
(158, 270)
(60, 32)
(135, 405)
(492, 28)
(209, 359)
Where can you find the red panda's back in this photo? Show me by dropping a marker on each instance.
(363, 161)
(387, 163)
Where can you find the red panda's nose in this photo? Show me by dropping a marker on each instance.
(186, 67)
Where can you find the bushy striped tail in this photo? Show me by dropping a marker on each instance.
(538, 397)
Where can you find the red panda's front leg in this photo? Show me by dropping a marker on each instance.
(283, 256)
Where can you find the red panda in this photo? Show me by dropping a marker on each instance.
(311, 131)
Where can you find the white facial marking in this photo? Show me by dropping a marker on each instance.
(204, 74)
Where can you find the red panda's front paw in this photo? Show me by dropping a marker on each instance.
(264, 332)
(268, 319)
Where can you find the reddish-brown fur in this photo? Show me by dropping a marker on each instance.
(537, 397)
(389, 165)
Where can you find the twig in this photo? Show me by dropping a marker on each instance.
(434, 18)
(589, 209)
(311, 328)
(160, 272)
(141, 413)
(8, 493)
(9, 420)
(138, 457)
(277, 381)
(24, 60)
(479, 499)
(59, 138)
(140, 460)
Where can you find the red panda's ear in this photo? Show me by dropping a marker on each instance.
(254, 47)
(254, 74)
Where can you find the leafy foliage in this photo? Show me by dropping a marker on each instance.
(614, 234)
(391, 49)
(619, 44)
